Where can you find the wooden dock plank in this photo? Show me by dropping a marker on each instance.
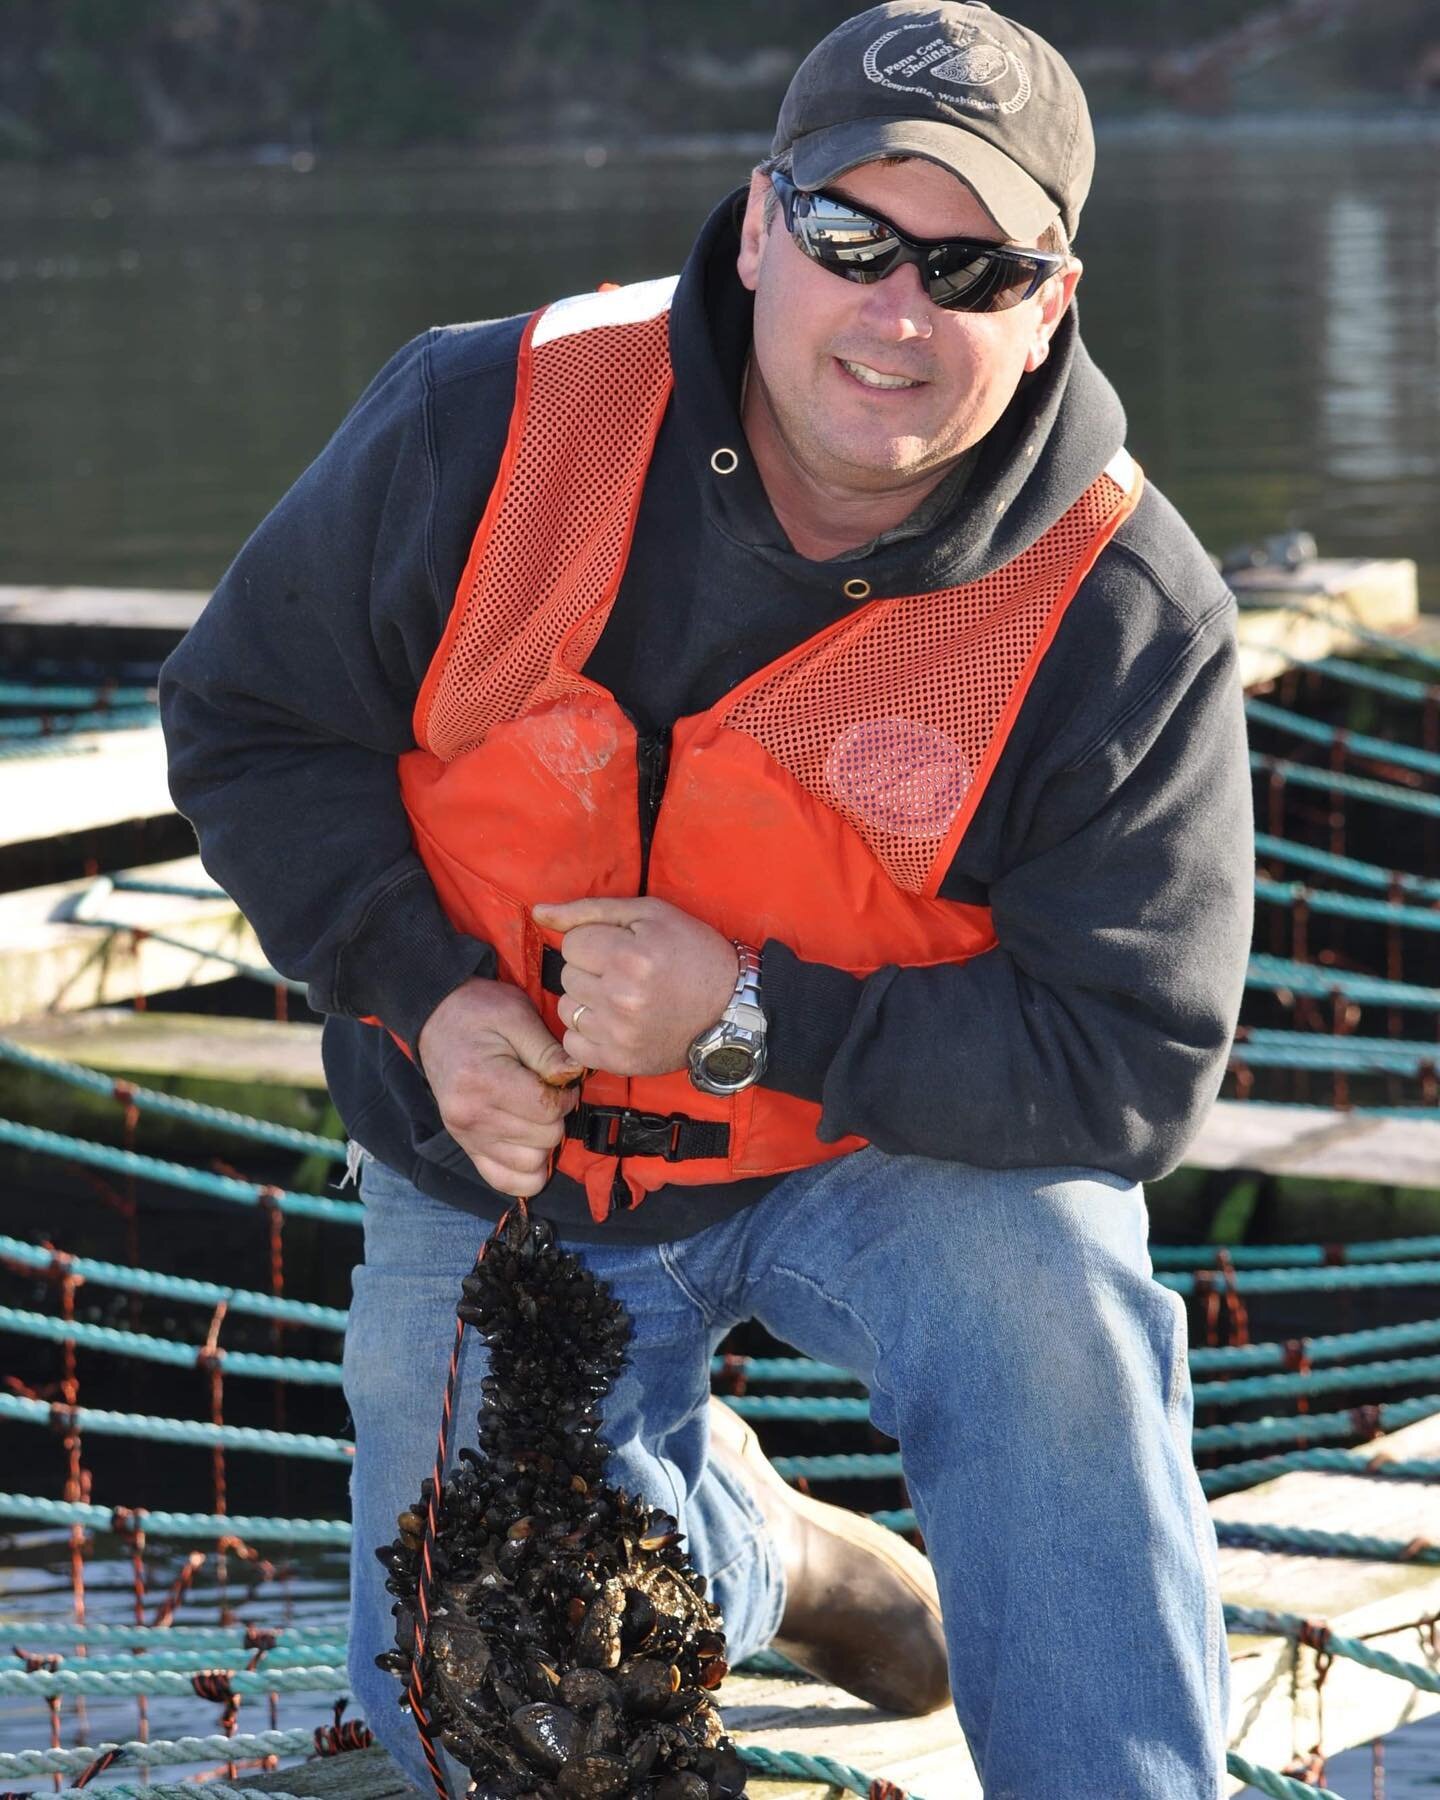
(1316, 1142)
(108, 778)
(92, 609)
(48, 963)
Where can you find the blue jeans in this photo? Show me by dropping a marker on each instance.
(1014, 1344)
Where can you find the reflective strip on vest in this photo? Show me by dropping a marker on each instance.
(819, 803)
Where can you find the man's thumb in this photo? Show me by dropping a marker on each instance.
(538, 1051)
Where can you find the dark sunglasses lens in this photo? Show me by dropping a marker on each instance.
(848, 242)
(981, 282)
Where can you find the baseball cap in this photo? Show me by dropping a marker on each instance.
(955, 83)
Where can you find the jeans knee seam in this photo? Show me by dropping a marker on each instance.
(667, 1261)
(809, 1281)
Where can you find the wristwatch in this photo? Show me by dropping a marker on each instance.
(731, 1054)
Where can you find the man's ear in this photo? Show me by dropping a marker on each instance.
(752, 231)
(1055, 298)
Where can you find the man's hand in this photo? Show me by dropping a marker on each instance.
(645, 977)
(499, 1079)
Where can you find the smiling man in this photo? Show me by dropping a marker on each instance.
(747, 762)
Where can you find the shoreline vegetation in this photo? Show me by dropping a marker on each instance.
(283, 80)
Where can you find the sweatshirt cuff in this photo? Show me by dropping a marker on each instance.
(404, 957)
(809, 1008)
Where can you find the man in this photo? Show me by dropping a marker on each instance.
(829, 748)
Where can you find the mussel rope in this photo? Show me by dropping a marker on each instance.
(432, 1519)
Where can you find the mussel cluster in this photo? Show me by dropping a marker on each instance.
(571, 1652)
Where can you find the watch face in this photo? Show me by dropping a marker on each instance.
(731, 1062)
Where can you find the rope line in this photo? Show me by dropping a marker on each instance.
(1314, 731)
(127, 1093)
(163, 1350)
(1319, 1381)
(141, 1637)
(34, 1509)
(1311, 979)
(1346, 868)
(1304, 1281)
(1364, 1421)
(1300, 1541)
(1344, 906)
(1236, 1476)
(173, 1287)
(1318, 1635)
(1358, 787)
(161, 1753)
(172, 1174)
(178, 1431)
(1263, 1048)
(46, 1682)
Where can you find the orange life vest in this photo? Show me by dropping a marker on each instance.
(818, 803)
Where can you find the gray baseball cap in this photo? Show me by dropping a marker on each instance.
(957, 84)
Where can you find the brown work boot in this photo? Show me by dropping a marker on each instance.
(862, 1611)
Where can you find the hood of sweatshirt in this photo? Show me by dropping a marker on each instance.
(1060, 430)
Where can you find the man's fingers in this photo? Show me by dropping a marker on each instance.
(598, 911)
(513, 1168)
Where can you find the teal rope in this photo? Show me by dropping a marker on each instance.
(880, 1466)
(1268, 1049)
(793, 1406)
(1235, 1476)
(1296, 1256)
(1207, 1361)
(780, 1764)
(200, 1658)
(1272, 972)
(150, 1168)
(28, 749)
(1307, 1281)
(1358, 787)
(162, 1350)
(785, 1371)
(169, 1682)
(1310, 1425)
(131, 718)
(180, 1431)
(1296, 1540)
(171, 1106)
(181, 890)
(1293, 724)
(1346, 868)
(1319, 1381)
(19, 1627)
(50, 693)
(175, 1287)
(33, 1509)
(244, 1747)
(1361, 675)
(1291, 894)
(1259, 1623)
(1272, 1782)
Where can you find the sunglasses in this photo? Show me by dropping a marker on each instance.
(960, 274)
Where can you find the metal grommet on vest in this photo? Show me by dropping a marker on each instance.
(724, 461)
(856, 589)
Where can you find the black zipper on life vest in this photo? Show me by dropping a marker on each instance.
(652, 763)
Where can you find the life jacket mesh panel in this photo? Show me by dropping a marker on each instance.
(554, 550)
(890, 718)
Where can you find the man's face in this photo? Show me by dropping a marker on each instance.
(821, 341)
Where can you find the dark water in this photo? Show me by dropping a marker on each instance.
(176, 344)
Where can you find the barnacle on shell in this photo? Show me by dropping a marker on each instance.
(572, 1653)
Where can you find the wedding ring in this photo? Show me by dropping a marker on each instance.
(575, 1016)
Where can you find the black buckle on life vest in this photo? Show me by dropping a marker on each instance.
(622, 1131)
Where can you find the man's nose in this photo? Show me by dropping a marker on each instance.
(898, 307)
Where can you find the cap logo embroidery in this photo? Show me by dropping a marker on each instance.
(972, 69)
